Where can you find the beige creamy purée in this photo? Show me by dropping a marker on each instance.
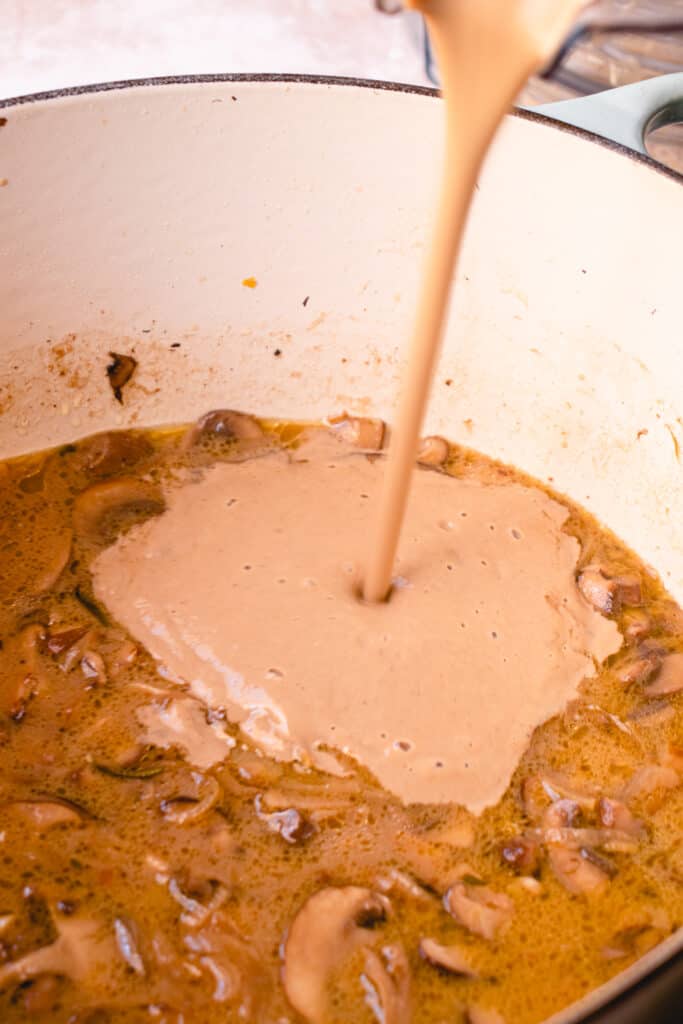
(438, 689)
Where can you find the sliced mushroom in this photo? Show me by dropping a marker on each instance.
(225, 424)
(76, 646)
(237, 972)
(637, 625)
(92, 667)
(669, 678)
(60, 551)
(629, 590)
(74, 654)
(433, 451)
(60, 640)
(559, 827)
(6, 922)
(195, 912)
(328, 927)
(615, 814)
(576, 870)
(97, 505)
(650, 778)
(386, 981)
(401, 882)
(636, 938)
(607, 593)
(226, 979)
(478, 908)
(27, 673)
(578, 712)
(561, 815)
(522, 854)
(653, 713)
(358, 432)
(534, 797)
(599, 590)
(290, 823)
(33, 480)
(638, 669)
(253, 769)
(453, 959)
(115, 451)
(318, 805)
(670, 618)
(673, 757)
(540, 791)
(458, 829)
(570, 862)
(559, 788)
(122, 657)
(430, 863)
(529, 884)
(40, 996)
(481, 1015)
(79, 949)
(184, 810)
(24, 692)
(43, 814)
(611, 839)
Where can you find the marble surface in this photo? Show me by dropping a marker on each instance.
(48, 44)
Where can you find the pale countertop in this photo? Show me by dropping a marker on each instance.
(49, 44)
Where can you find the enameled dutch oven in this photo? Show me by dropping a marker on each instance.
(132, 214)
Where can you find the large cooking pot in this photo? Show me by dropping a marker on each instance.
(132, 214)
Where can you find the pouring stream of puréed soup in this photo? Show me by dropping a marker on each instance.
(486, 50)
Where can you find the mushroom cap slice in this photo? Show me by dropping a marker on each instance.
(358, 431)
(669, 678)
(575, 870)
(328, 927)
(479, 909)
(43, 814)
(433, 451)
(482, 1015)
(226, 424)
(93, 506)
(449, 958)
(387, 984)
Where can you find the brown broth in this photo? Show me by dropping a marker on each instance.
(123, 866)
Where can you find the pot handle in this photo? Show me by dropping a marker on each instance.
(625, 115)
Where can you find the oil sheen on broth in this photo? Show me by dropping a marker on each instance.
(157, 866)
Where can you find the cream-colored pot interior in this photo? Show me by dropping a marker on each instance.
(130, 219)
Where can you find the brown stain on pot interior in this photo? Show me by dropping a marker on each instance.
(64, 362)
